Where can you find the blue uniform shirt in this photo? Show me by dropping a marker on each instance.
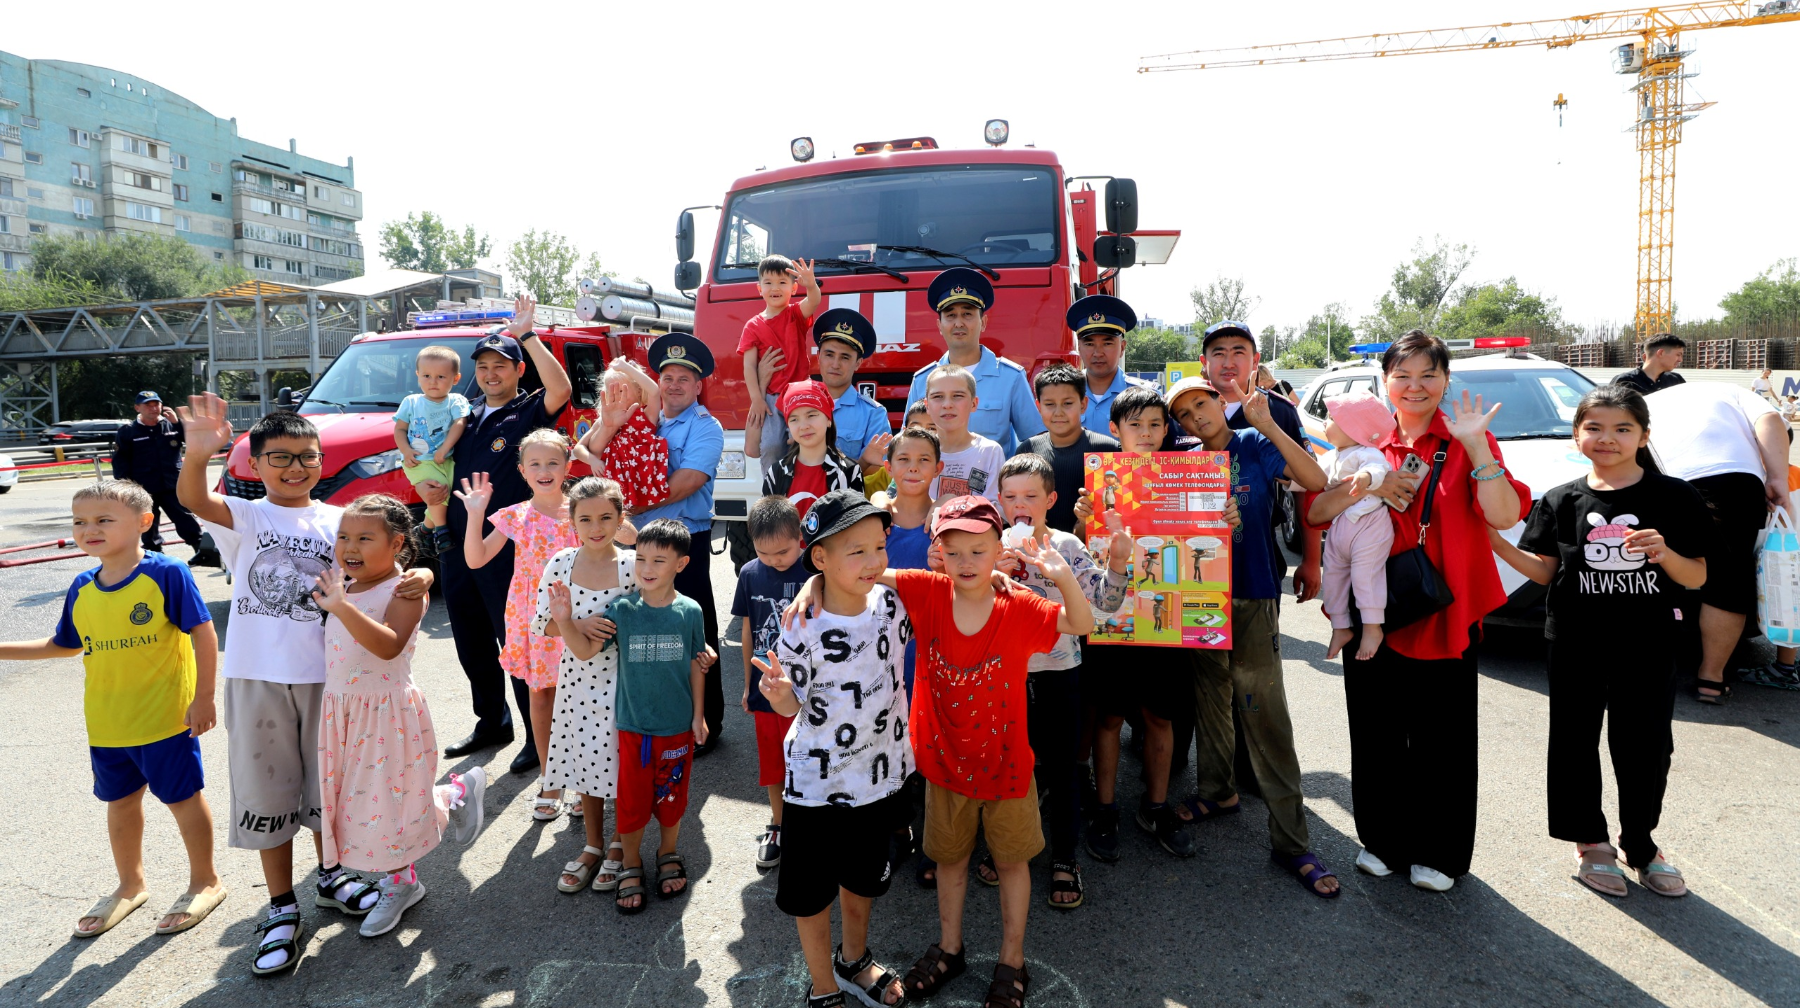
(695, 442)
(1256, 563)
(1006, 411)
(859, 420)
(1098, 417)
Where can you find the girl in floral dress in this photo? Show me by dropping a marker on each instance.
(577, 584)
(538, 528)
(635, 458)
(379, 810)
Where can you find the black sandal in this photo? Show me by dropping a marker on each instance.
(833, 1000)
(876, 993)
(1723, 691)
(987, 861)
(631, 883)
(1009, 987)
(1065, 885)
(925, 979)
(677, 872)
(351, 904)
(926, 866)
(291, 944)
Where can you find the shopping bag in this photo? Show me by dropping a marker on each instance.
(1778, 580)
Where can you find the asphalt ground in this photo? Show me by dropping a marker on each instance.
(1222, 928)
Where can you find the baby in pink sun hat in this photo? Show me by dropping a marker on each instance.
(1356, 551)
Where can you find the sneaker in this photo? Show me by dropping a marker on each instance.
(1773, 675)
(206, 557)
(1369, 864)
(466, 818)
(396, 899)
(441, 542)
(1103, 833)
(1431, 878)
(1168, 828)
(768, 849)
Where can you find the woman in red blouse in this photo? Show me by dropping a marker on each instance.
(1412, 706)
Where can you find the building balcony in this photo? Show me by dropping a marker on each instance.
(255, 189)
(15, 242)
(16, 207)
(9, 132)
(110, 191)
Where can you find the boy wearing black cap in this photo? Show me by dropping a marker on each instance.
(848, 757)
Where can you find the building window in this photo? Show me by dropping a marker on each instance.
(214, 167)
(143, 181)
(6, 188)
(349, 200)
(218, 197)
(36, 194)
(181, 192)
(84, 207)
(80, 173)
(5, 224)
(30, 121)
(319, 192)
(84, 92)
(33, 157)
(142, 148)
(260, 205)
(218, 255)
(79, 137)
(143, 212)
(263, 262)
(290, 212)
(180, 161)
(218, 227)
(183, 223)
(297, 267)
(6, 261)
(36, 228)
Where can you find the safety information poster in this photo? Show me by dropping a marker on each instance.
(1178, 588)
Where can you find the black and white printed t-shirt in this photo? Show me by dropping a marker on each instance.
(276, 555)
(848, 745)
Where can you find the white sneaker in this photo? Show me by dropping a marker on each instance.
(396, 899)
(1423, 877)
(466, 819)
(1369, 864)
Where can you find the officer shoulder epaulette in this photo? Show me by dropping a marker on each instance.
(927, 369)
(1008, 362)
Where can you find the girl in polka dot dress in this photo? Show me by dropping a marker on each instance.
(636, 458)
(538, 528)
(577, 584)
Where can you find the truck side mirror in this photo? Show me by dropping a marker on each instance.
(687, 275)
(1115, 251)
(1121, 205)
(684, 238)
(285, 397)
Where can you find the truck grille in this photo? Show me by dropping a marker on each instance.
(254, 490)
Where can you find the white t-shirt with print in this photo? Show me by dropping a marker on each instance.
(1105, 591)
(848, 745)
(276, 632)
(974, 470)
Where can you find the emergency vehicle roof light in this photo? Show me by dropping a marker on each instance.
(890, 146)
(996, 131)
(425, 320)
(1481, 343)
(801, 148)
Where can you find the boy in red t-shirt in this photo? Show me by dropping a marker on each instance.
(780, 327)
(968, 720)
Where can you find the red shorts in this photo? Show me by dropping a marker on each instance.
(653, 779)
(771, 750)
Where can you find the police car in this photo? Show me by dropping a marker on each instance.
(1535, 428)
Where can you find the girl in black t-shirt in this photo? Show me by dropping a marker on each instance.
(1616, 547)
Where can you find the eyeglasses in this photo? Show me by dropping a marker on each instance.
(282, 460)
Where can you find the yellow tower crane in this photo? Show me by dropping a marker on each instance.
(1655, 56)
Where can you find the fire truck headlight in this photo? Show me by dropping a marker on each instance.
(801, 148)
(996, 131)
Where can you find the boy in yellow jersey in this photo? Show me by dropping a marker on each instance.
(150, 652)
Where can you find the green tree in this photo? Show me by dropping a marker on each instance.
(23, 292)
(134, 267)
(1501, 309)
(1223, 298)
(425, 243)
(1773, 294)
(1325, 338)
(92, 388)
(547, 265)
(1419, 290)
(1150, 349)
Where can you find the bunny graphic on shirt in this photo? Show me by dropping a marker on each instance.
(1605, 549)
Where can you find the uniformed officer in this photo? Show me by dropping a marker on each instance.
(845, 339)
(147, 451)
(1004, 409)
(696, 440)
(1100, 322)
(490, 444)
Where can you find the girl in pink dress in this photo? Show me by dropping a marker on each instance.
(379, 809)
(636, 458)
(539, 529)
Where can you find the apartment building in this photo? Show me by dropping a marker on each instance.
(87, 151)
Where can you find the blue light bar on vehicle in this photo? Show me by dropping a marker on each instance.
(424, 320)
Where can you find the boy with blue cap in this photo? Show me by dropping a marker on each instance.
(1004, 410)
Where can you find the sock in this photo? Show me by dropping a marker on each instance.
(1784, 669)
(285, 900)
(458, 790)
(328, 877)
(278, 905)
(406, 876)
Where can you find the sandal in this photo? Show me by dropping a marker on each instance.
(1604, 877)
(1065, 885)
(833, 1000)
(1721, 691)
(611, 866)
(1009, 987)
(544, 808)
(1199, 808)
(630, 883)
(333, 894)
(577, 810)
(679, 871)
(290, 944)
(926, 979)
(925, 867)
(1308, 871)
(1659, 869)
(874, 995)
(581, 871)
(196, 906)
(985, 865)
(111, 910)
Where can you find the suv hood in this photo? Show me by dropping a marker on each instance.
(343, 437)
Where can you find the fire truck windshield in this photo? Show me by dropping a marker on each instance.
(376, 375)
(996, 215)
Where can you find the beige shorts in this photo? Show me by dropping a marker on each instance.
(1015, 832)
(272, 742)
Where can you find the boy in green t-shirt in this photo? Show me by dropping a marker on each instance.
(150, 652)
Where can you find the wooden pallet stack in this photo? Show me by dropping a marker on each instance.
(1750, 354)
(1582, 355)
(1712, 354)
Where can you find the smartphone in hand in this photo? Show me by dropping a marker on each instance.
(1414, 465)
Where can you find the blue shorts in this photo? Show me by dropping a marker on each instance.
(171, 768)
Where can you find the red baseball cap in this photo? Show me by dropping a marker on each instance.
(969, 513)
(804, 393)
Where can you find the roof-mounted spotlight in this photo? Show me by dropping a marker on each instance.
(802, 149)
(996, 131)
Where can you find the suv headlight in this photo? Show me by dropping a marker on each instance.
(731, 465)
(370, 466)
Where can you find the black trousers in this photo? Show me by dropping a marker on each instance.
(1634, 687)
(186, 526)
(1053, 723)
(695, 581)
(1413, 754)
(477, 603)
